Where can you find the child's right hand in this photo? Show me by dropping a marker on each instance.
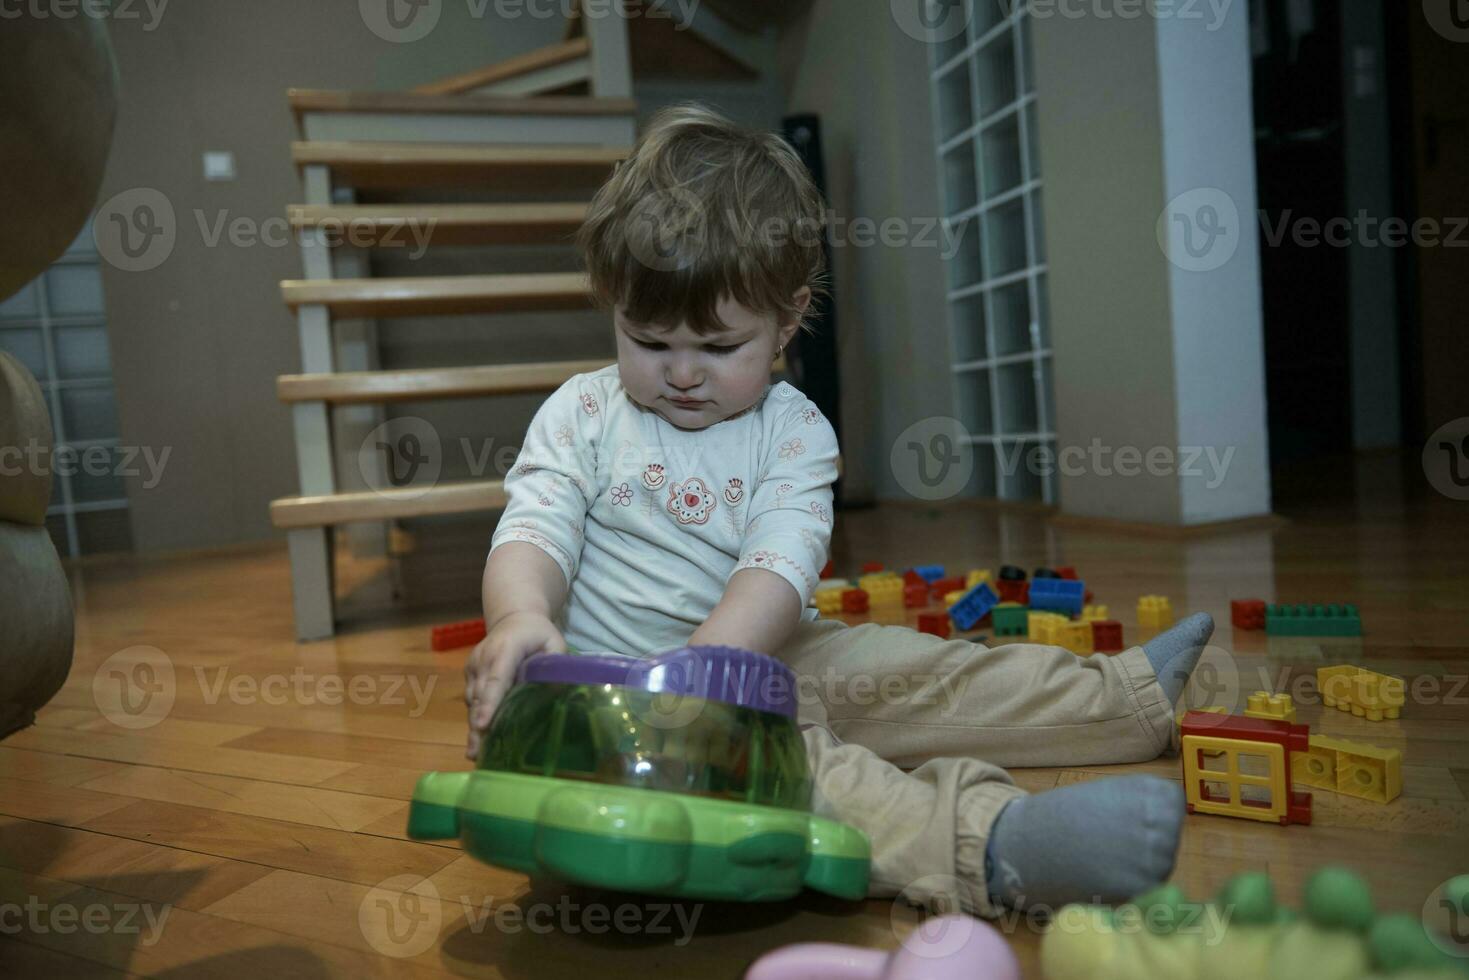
(491, 667)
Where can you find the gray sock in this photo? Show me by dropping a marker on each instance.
(1103, 841)
(1175, 652)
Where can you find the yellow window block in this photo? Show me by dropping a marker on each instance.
(1350, 768)
(1229, 796)
(1274, 707)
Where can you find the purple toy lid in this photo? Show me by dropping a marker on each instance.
(715, 673)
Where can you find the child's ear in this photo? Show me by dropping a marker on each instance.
(801, 299)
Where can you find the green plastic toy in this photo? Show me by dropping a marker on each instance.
(681, 775)
(1243, 934)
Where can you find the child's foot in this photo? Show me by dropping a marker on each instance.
(1107, 840)
(1175, 652)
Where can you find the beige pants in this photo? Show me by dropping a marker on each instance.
(875, 700)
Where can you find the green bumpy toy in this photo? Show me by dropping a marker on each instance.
(682, 774)
(1243, 933)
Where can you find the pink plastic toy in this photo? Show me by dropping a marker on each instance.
(950, 947)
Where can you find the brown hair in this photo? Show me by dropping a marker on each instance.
(703, 210)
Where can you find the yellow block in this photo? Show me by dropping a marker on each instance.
(976, 576)
(1199, 747)
(1350, 768)
(1154, 612)
(1272, 707)
(877, 580)
(950, 598)
(1091, 614)
(1365, 693)
(828, 601)
(1076, 637)
(1042, 626)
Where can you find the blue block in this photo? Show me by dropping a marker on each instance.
(930, 573)
(975, 605)
(1057, 595)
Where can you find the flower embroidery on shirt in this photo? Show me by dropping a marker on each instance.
(792, 449)
(563, 436)
(621, 495)
(653, 476)
(734, 491)
(545, 500)
(576, 529)
(589, 403)
(781, 491)
(691, 501)
(812, 416)
(525, 469)
(820, 512)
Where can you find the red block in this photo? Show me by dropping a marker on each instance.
(944, 586)
(1067, 572)
(830, 567)
(1291, 738)
(915, 594)
(935, 623)
(1106, 636)
(854, 600)
(452, 636)
(1247, 614)
(911, 577)
(872, 566)
(1013, 591)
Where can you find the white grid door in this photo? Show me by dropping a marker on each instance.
(56, 326)
(984, 109)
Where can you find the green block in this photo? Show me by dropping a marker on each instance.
(1010, 620)
(1313, 620)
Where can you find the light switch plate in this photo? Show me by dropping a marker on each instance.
(219, 165)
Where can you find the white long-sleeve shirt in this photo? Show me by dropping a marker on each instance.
(649, 521)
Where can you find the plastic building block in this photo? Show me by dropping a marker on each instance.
(910, 577)
(1338, 935)
(1091, 613)
(871, 566)
(976, 576)
(882, 588)
(973, 606)
(854, 601)
(950, 947)
(929, 573)
(1351, 769)
(1043, 572)
(949, 598)
(827, 569)
(829, 601)
(1042, 626)
(1107, 636)
(1066, 572)
(1314, 620)
(1263, 704)
(915, 595)
(1154, 612)
(940, 587)
(1247, 614)
(866, 581)
(582, 778)
(452, 636)
(1012, 590)
(1365, 693)
(935, 623)
(1227, 789)
(1012, 573)
(1057, 594)
(1075, 636)
(1010, 619)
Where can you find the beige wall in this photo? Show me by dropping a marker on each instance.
(197, 342)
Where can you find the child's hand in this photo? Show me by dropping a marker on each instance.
(492, 666)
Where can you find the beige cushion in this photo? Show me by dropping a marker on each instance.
(35, 607)
(25, 446)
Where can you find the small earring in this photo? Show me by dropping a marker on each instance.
(779, 350)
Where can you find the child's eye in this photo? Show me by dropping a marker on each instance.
(650, 344)
(728, 349)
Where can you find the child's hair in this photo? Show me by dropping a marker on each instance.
(703, 210)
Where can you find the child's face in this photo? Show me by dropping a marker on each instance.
(695, 381)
